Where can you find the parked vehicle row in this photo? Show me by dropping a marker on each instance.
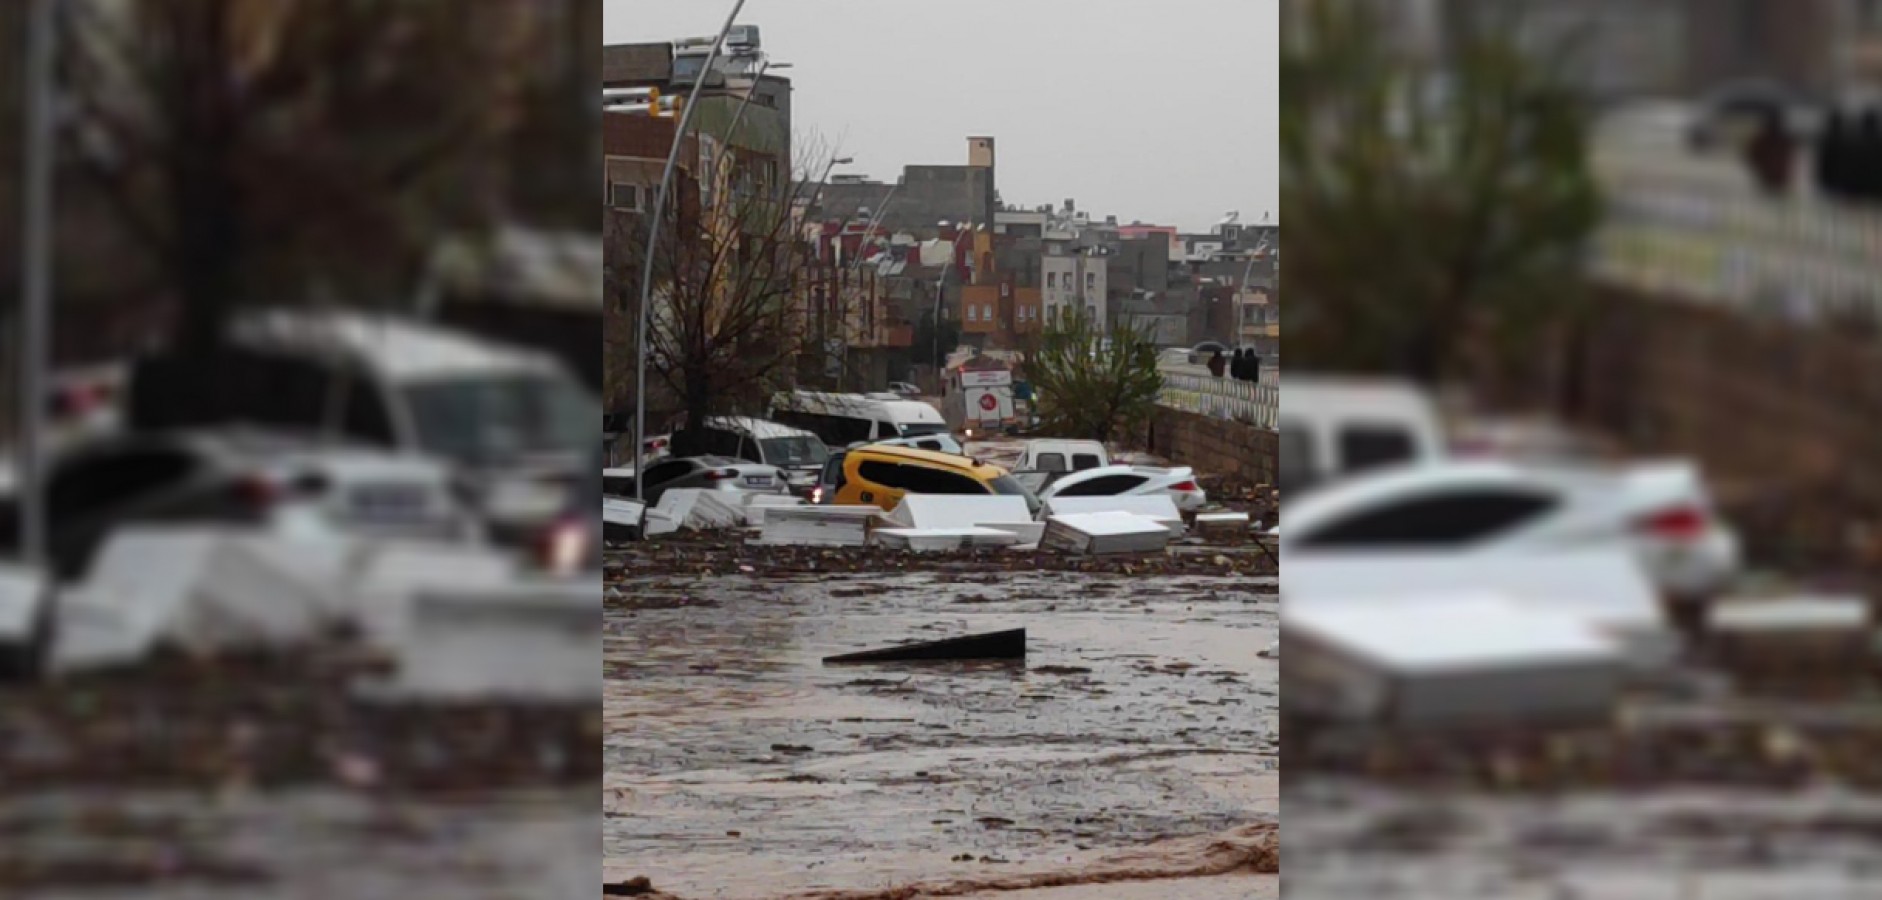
(896, 447)
(317, 423)
(1367, 469)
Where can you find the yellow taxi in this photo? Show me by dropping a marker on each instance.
(881, 475)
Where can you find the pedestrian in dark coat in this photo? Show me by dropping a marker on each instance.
(1832, 157)
(1218, 364)
(1772, 155)
(1865, 165)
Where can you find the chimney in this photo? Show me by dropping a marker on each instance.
(980, 152)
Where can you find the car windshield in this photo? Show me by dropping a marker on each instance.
(1010, 486)
(795, 452)
(493, 418)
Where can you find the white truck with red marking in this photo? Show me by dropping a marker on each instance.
(980, 401)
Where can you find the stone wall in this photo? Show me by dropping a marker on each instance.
(1235, 451)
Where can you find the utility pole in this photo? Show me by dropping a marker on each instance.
(36, 279)
(653, 243)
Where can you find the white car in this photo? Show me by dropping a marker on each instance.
(1112, 481)
(293, 487)
(1659, 512)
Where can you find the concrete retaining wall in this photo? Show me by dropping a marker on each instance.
(1234, 450)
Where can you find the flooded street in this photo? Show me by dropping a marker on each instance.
(266, 777)
(1348, 840)
(738, 766)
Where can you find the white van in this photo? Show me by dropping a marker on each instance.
(1334, 427)
(517, 426)
(799, 453)
(1056, 455)
(844, 419)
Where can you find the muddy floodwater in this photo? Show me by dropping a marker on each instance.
(296, 844)
(1349, 839)
(738, 766)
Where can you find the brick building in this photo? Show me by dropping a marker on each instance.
(924, 196)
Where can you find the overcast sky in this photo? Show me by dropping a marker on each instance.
(1159, 110)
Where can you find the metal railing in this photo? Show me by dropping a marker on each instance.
(1257, 403)
(1802, 258)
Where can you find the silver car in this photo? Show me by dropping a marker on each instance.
(713, 473)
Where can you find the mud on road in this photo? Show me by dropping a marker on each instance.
(265, 777)
(1718, 800)
(737, 765)
(1356, 839)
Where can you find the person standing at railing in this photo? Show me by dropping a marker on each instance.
(1218, 364)
(1772, 154)
(1833, 156)
(1866, 171)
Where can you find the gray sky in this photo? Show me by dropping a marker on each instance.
(1159, 110)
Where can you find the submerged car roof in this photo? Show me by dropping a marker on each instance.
(900, 410)
(761, 429)
(930, 457)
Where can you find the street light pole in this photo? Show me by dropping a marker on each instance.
(36, 288)
(739, 116)
(816, 196)
(940, 290)
(653, 241)
(869, 227)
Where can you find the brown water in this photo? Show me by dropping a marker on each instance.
(1352, 840)
(739, 766)
(302, 844)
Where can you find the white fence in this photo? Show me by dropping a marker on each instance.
(1257, 403)
(1800, 257)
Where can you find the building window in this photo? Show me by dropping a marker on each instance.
(1091, 280)
(986, 313)
(973, 313)
(1052, 280)
(625, 196)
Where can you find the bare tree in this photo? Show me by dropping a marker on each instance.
(727, 321)
(249, 148)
